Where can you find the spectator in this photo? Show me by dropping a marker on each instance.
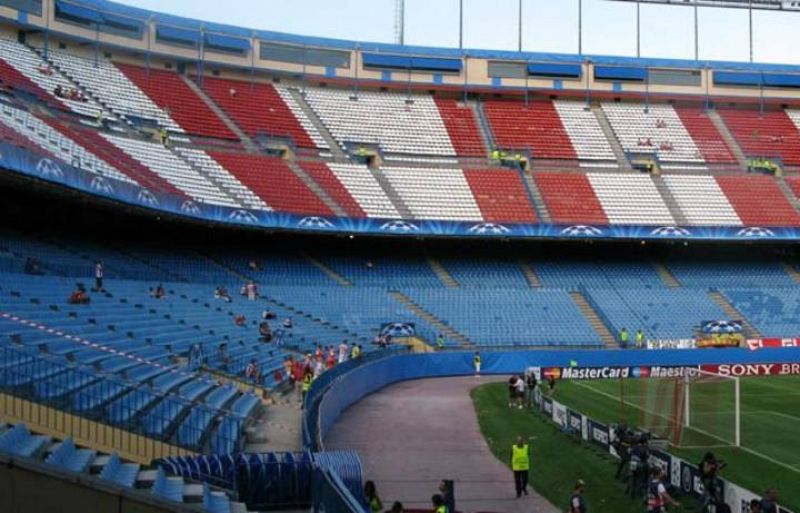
(298, 372)
(438, 504)
(657, 497)
(640, 455)
(79, 296)
(769, 502)
(330, 361)
(252, 372)
(371, 494)
(240, 320)
(446, 489)
(577, 504)
(277, 376)
(268, 315)
(709, 467)
(287, 323)
(476, 363)
(32, 267)
(512, 390)
(440, 341)
(520, 465)
(158, 292)
(196, 357)
(319, 368)
(222, 293)
(551, 384)
(264, 332)
(520, 392)
(318, 352)
(251, 290)
(530, 387)
(232, 92)
(253, 265)
(98, 275)
(223, 358)
(397, 507)
(344, 350)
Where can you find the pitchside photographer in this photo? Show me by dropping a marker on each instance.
(710, 467)
(624, 438)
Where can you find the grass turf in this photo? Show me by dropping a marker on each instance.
(770, 406)
(558, 460)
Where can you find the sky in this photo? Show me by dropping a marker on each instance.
(609, 28)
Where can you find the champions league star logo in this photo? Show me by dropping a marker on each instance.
(190, 207)
(581, 230)
(670, 231)
(147, 198)
(315, 222)
(492, 228)
(49, 169)
(755, 231)
(398, 329)
(243, 216)
(100, 184)
(399, 226)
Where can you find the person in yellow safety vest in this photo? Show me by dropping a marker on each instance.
(308, 378)
(520, 465)
(496, 155)
(476, 362)
(162, 133)
(362, 153)
(355, 352)
(624, 338)
(502, 157)
(438, 504)
(639, 339)
(440, 342)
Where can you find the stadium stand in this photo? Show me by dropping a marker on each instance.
(365, 189)
(769, 134)
(462, 126)
(536, 127)
(758, 201)
(325, 177)
(500, 195)
(705, 135)
(630, 199)
(584, 131)
(434, 193)
(701, 200)
(169, 91)
(570, 198)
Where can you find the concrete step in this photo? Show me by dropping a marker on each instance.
(335, 276)
(728, 137)
(671, 202)
(594, 319)
(666, 275)
(616, 147)
(434, 321)
(483, 126)
(530, 275)
(791, 271)
(391, 193)
(221, 114)
(748, 330)
(317, 188)
(788, 192)
(536, 197)
(444, 275)
(220, 185)
(335, 149)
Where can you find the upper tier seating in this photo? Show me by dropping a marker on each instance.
(107, 83)
(772, 134)
(536, 127)
(501, 195)
(365, 189)
(660, 126)
(273, 181)
(485, 273)
(462, 127)
(701, 200)
(13, 80)
(323, 175)
(435, 193)
(774, 312)
(389, 273)
(169, 91)
(30, 64)
(630, 199)
(758, 200)
(56, 143)
(174, 170)
(597, 274)
(709, 141)
(12, 136)
(570, 198)
(385, 119)
(258, 108)
(734, 274)
(584, 131)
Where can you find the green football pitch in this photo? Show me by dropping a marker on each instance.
(769, 454)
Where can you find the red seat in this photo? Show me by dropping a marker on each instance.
(11, 78)
(170, 92)
(770, 135)
(709, 141)
(758, 200)
(462, 127)
(322, 174)
(570, 198)
(501, 195)
(536, 127)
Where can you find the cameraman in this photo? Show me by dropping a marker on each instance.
(622, 444)
(709, 468)
(640, 456)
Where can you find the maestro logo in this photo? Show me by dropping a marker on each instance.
(552, 372)
(640, 372)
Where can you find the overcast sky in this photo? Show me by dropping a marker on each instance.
(548, 25)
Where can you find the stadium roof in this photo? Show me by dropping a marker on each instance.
(767, 5)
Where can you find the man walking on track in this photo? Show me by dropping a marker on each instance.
(476, 362)
(520, 464)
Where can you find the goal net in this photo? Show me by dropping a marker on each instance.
(700, 409)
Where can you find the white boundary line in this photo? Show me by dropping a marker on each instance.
(741, 447)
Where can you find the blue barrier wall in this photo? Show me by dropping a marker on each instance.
(366, 379)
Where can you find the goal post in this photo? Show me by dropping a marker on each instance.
(696, 409)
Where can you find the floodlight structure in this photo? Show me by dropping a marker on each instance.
(750, 5)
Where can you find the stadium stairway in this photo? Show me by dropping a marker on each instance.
(748, 329)
(669, 200)
(392, 194)
(536, 197)
(443, 274)
(594, 319)
(530, 274)
(221, 114)
(728, 137)
(431, 319)
(666, 275)
(321, 193)
(616, 147)
(483, 125)
(336, 150)
(332, 274)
